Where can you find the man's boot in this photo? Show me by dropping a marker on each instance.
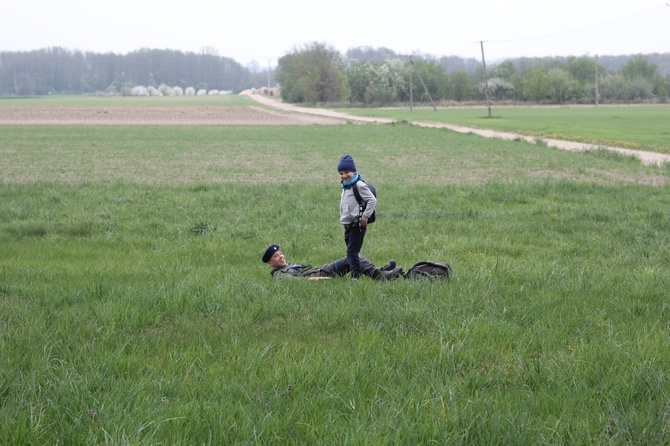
(379, 275)
(392, 274)
(389, 266)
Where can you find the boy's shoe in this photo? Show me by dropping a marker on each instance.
(389, 266)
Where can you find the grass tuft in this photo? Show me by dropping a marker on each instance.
(613, 155)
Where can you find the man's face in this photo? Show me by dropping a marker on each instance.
(346, 176)
(277, 260)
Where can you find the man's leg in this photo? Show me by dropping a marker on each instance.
(369, 269)
(338, 268)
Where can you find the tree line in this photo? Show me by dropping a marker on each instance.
(316, 72)
(61, 71)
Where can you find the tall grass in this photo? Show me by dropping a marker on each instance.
(136, 310)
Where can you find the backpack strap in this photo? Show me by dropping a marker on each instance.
(361, 204)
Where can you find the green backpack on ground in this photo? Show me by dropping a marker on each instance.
(428, 270)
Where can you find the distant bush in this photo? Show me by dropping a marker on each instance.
(165, 90)
(140, 91)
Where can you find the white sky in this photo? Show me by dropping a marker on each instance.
(263, 31)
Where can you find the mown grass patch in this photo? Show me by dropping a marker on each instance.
(264, 155)
(632, 127)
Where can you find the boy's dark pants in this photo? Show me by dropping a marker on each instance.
(353, 237)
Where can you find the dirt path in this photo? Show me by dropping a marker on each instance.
(645, 157)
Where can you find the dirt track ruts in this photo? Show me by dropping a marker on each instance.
(645, 157)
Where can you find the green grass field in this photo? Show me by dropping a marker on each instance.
(135, 310)
(633, 127)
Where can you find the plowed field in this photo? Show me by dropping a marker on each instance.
(156, 115)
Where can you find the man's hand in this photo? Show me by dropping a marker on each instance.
(363, 223)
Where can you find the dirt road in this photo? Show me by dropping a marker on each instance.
(645, 157)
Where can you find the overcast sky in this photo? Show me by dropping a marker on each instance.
(264, 31)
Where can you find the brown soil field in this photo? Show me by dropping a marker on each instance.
(157, 115)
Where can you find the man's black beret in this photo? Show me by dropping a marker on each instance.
(270, 252)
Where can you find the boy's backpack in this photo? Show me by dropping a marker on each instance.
(430, 270)
(361, 204)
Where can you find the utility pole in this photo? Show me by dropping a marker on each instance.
(486, 81)
(411, 91)
(597, 83)
(422, 83)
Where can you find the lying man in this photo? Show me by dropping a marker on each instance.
(282, 270)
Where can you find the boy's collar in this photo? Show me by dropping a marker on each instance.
(353, 179)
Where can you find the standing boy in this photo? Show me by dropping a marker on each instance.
(352, 216)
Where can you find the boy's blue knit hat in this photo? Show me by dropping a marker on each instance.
(346, 164)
